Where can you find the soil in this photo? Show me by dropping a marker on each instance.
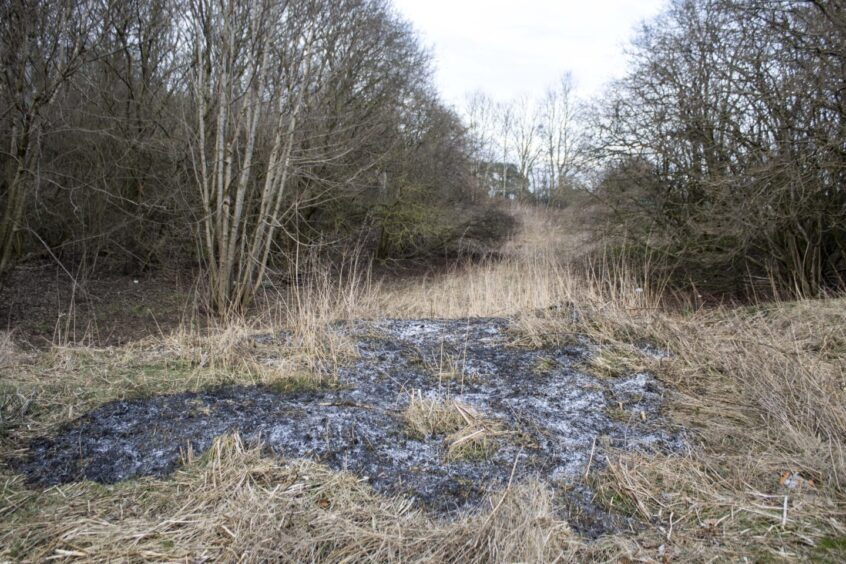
(557, 416)
(42, 304)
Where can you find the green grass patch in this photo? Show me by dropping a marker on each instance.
(302, 382)
(830, 550)
(544, 366)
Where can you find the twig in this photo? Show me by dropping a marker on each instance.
(344, 404)
(784, 513)
(507, 489)
(463, 412)
(590, 460)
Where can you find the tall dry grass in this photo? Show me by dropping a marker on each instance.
(537, 269)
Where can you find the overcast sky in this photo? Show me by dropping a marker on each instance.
(512, 47)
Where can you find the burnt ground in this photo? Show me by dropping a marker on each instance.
(560, 413)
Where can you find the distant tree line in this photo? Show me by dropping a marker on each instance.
(229, 130)
(529, 149)
(724, 147)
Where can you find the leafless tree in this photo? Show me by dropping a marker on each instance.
(260, 127)
(234, 45)
(525, 139)
(481, 124)
(560, 134)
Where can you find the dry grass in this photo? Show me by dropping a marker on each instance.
(535, 272)
(618, 360)
(759, 389)
(469, 435)
(62, 383)
(426, 416)
(474, 442)
(235, 504)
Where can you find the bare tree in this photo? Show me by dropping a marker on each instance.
(561, 139)
(234, 42)
(525, 140)
(291, 124)
(738, 107)
(481, 123)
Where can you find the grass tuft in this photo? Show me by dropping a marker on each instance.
(425, 417)
(469, 436)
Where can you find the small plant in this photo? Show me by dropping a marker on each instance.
(830, 549)
(544, 365)
(618, 414)
(450, 370)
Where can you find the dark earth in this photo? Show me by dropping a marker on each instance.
(559, 413)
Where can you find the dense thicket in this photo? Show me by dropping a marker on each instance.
(726, 143)
(136, 131)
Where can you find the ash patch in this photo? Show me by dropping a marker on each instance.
(560, 414)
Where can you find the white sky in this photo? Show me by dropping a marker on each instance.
(507, 48)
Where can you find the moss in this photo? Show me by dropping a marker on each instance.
(302, 382)
(166, 370)
(140, 310)
(544, 366)
(619, 414)
(142, 381)
(830, 550)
